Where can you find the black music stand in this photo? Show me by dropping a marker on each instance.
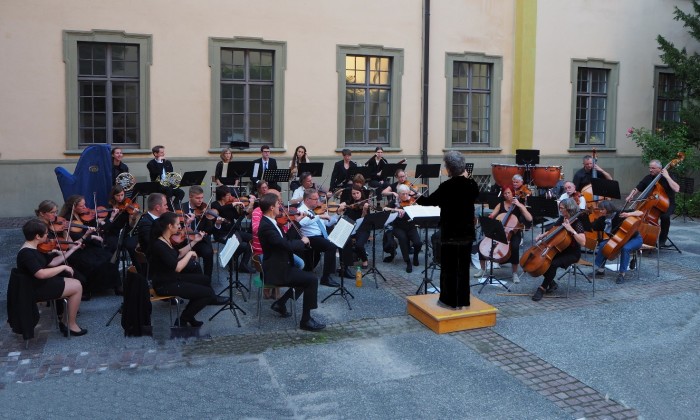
(687, 188)
(390, 169)
(374, 221)
(426, 223)
(345, 261)
(425, 171)
(145, 189)
(274, 176)
(364, 170)
(240, 145)
(314, 168)
(493, 229)
(192, 178)
(230, 304)
(605, 187)
(529, 158)
(542, 208)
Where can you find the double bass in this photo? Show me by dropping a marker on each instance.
(538, 258)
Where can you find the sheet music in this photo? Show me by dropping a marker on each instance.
(341, 232)
(422, 211)
(228, 250)
(358, 223)
(256, 168)
(391, 218)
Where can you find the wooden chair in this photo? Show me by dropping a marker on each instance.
(258, 267)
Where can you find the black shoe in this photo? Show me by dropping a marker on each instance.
(280, 309)
(311, 325)
(633, 263)
(552, 287)
(183, 322)
(82, 331)
(218, 300)
(538, 294)
(119, 291)
(390, 258)
(664, 244)
(415, 259)
(409, 267)
(64, 330)
(620, 279)
(329, 282)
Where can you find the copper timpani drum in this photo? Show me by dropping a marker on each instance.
(545, 176)
(503, 174)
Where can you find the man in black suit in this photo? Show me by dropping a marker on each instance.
(156, 204)
(278, 265)
(157, 168)
(265, 163)
(203, 248)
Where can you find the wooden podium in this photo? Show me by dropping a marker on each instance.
(425, 309)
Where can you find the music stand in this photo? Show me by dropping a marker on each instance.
(492, 228)
(425, 171)
(529, 158)
(389, 169)
(372, 222)
(605, 187)
(339, 237)
(225, 259)
(314, 168)
(192, 178)
(426, 223)
(240, 145)
(542, 208)
(145, 189)
(364, 170)
(687, 187)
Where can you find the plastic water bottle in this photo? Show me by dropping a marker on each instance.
(358, 277)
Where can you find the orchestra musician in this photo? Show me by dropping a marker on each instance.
(455, 197)
(570, 192)
(608, 224)
(232, 212)
(168, 269)
(521, 190)
(221, 171)
(392, 190)
(307, 181)
(670, 186)
(583, 176)
(315, 227)
(567, 209)
(156, 206)
(118, 167)
(340, 177)
(376, 164)
(521, 214)
(403, 228)
(52, 278)
(203, 248)
(359, 181)
(265, 163)
(279, 268)
(358, 207)
(299, 156)
(119, 219)
(158, 167)
(93, 260)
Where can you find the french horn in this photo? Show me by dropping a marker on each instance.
(171, 179)
(126, 181)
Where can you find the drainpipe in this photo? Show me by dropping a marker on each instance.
(426, 81)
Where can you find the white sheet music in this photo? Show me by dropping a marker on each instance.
(256, 168)
(422, 211)
(341, 232)
(228, 250)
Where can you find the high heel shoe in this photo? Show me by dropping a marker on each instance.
(67, 331)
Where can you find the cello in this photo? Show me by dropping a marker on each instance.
(538, 258)
(501, 251)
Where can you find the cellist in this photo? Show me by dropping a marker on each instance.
(520, 213)
(670, 186)
(609, 223)
(567, 209)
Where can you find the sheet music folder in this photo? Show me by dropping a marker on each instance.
(341, 232)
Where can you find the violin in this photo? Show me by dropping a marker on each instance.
(326, 208)
(60, 224)
(284, 216)
(128, 206)
(358, 205)
(211, 214)
(405, 203)
(181, 236)
(522, 193)
(54, 244)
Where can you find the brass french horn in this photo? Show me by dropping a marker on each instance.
(126, 181)
(171, 179)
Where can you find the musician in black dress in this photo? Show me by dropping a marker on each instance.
(376, 164)
(233, 214)
(118, 219)
(404, 229)
(51, 277)
(568, 207)
(221, 172)
(167, 267)
(340, 177)
(356, 208)
(158, 167)
(670, 186)
(455, 197)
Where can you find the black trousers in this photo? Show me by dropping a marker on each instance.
(561, 260)
(321, 244)
(305, 284)
(665, 223)
(404, 235)
(194, 287)
(204, 250)
(454, 273)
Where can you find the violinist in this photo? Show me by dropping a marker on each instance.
(157, 168)
(118, 167)
(51, 277)
(196, 206)
(156, 206)
(221, 172)
(567, 209)
(168, 269)
(340, 178)
(299, 156)
(670, 186)
(392, 190)
(583, 176)
(358, 207)
(520, 214)
(570, 192)
(455, 197)
(608, 224)
(521, 190)
(232, 212)
(315, 227)
(404, 229)
(376, 164)
(307, 181)
(119, 218)
(93, 259)
(359, 181)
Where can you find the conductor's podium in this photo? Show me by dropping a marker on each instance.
(425, 309)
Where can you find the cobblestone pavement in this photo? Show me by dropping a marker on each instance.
(556, 385)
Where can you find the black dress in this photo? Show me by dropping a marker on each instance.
(29, 261)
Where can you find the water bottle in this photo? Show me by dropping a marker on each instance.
(358, 277)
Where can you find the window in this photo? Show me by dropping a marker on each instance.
(107, 78)
(473, 100)
(669, 97)
(247, 94)
(594, 96)
(369, 82)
